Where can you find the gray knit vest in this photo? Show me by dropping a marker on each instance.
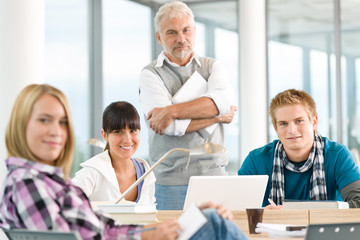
(172, 171)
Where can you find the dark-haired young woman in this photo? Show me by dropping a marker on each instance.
(107, 175)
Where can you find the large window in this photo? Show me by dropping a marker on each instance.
(285, 71)
(127, 38)
(320, 89)
(350, 47)
(302, 39)
(66, 64)
(325, 66)
(300, 44)
(126, 50)
(219, 19)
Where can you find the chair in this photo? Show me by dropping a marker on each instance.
(23, 234)
(348, 231)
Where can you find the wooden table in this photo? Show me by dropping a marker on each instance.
(334, 216)
(296, 217)
(240, 218)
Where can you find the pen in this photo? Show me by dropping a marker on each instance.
(142, 230)
(271, 202)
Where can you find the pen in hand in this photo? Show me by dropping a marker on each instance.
(272, 202)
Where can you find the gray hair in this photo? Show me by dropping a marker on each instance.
(172, 10)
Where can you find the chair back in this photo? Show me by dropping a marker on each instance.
(345, 231)
(21, 234)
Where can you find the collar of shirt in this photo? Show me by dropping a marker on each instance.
(161, 58)
(15, 162)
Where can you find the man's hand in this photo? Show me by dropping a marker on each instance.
(272, 207)
(160, 119)
(221, 210)
(227, 118)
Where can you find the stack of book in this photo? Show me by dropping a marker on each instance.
(130, 213)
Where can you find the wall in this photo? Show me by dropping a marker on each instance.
(21, 56)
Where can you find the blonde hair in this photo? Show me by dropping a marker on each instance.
(172, 10)
(15, 137)
(292, 97)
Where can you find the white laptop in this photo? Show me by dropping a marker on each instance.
(234, 192)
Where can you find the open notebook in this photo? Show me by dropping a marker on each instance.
(234, 192)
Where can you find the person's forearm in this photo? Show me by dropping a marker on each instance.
(197, 124)
(200, 108)
(351, 194)
(355, 203)
(148, 234)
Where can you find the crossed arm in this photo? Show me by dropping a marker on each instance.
(202, 112)
(177, 119)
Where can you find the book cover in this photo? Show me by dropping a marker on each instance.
(191, 221)
(314, 204)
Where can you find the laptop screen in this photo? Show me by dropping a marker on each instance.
(233, 192)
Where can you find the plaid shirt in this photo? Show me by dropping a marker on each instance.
(36, 197)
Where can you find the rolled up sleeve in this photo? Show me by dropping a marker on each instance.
(220, 89)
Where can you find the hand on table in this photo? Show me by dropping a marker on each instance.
(272, 207)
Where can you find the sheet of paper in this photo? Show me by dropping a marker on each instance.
(192, 88)
(278, 230)
(191, 221)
